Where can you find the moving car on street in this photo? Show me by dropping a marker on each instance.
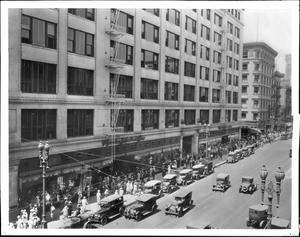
(185, 177)
(248, 185)
(181, 203)
(257, 216)
(223, 182)
(111, 207)
(144, 204)
(153, 187)
(169, 183)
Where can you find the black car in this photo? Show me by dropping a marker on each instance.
(144, 204)
(111, 207)
(182, 202)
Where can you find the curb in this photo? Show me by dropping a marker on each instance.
(221, 163)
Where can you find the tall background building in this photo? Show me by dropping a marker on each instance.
(117, 86)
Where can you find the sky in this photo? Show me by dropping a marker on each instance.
(272, 26)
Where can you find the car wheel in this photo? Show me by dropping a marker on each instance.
(262, 224)
(191, 202)
(121, 211)
(104, 220)
(87, 225)
(248, 223)
(154, 207)
(139, 216)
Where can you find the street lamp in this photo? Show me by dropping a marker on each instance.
(263, 175)
(44, 158)
(279, 176)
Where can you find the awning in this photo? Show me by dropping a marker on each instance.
(255, 130)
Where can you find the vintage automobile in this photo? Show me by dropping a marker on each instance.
(232, 157)
(198, 171)
(223, 182)
(240, 154)
(279, 223)
(144, 204)
(185, 177)
(245, 152)
(209, 167)
(169, 183)
(257, 216)
(111, 206)
(153, 187)
(200, 225)
(181, 203)
(284, 136)
(247, 185)
(250, 149)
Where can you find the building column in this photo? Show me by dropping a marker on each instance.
(195, 143)
(13, 183)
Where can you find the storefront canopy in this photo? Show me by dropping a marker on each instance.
(255, 130)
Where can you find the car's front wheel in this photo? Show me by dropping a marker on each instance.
(154, 207)
(139, 216)
(104, 220)
(121, 211)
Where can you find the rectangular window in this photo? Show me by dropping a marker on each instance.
(123, 20)
(208, 14)
(171, 65)
(230, 27)
(228, 78)
(236, 48)
(229, 61)
(235, 80)
(149, 89)
(38, 124)
(244, 89)
(189, 117)
(229, 44)
(154, 11)
(190, 47)
(234, 115)
(149, 60)
(150, 32)
(237, 32)
(256, 90)
(203, 94)
(80, 42)
(121, 53)
(125, 119)
(256, 67)
(204, 73)
(215, 96)
(189, 93)
(244, 115)
(217, 57)
(245, 66)
(244, 101)
(256, 78)
(255, 103)
(123, 86)
(205, 32)
(235, 97)
(80, 81)
(217, 38)
(217, 20)
(245, 77)
(189, 69)
(227, 115)
(38, 77)
(190, 25)
(173, 16)
(216, 116)
(80, 122)
(38, 32)
(150, 119)
(171, 91)
(172, 40)
(228, 97)
(245, 54)
(87, 13)
(204, 52)
(236, 64)
(216, 76)
(204, 116)
(172, 118)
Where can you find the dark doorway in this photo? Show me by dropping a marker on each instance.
(187, 144)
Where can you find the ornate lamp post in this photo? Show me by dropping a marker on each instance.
(263, 175)
(279, 176)
(270, 191)
(44, 158)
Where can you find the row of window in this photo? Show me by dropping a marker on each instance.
(41, 124)
(259, 79)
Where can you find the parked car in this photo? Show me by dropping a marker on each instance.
(185, 177)
(169, 183)
(111, 207)
(257, 216)
(153, 187)
(200, 225)
(240, 154)
(144, 204)
(232, 157)
(198, 171)
(284, 136)
(209, 167)
(248, 185)
(245, 152)
(223, 182)
(181, 203)
(250, 149)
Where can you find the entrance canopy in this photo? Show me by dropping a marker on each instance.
(255, 130)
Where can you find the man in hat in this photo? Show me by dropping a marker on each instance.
(83, 204)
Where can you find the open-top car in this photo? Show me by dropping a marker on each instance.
(169, 183)
(198, 171)
(257, 216)
(111, 207)
(185, 177)
(248, 185)
(182, 202)
(144, 204)
(153, 187)
(223, 182)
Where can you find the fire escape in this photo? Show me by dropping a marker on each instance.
(114, 65)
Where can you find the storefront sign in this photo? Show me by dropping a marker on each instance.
(121, 140)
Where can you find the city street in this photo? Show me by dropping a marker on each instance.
(227, 210)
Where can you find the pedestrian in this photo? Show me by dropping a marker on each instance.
(116, 192)
(169, 169)
(52, 209)
(65, 212)
(121, 192)
(69, 209)
(88, 192)
(83, 205)
(128, 187)
(106, 192)
(98, 196)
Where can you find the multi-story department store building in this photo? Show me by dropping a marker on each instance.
(176, 70)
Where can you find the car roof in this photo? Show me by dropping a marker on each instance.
(169, 176)
(222, 175)
(111, 198)
(198, 166)
(185, 171)
(152, 183)
(181, 193)
(145, 197)
(259, 207)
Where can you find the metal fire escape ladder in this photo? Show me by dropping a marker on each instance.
(114, 100)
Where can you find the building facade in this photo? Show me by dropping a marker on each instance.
(102, 85)
(257, 81)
